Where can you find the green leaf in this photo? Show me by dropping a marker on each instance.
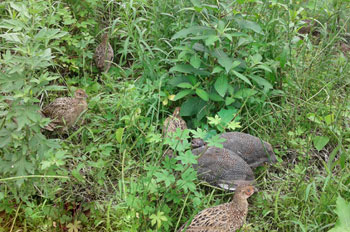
(195, 61)
(221, 85)
(244, 93)
(216, 141)
(192, 106)
(186, 68)
(185, 85)
(320, 142)
(227, 115)
(223, 59)
(119, 134)
(182, 94)
(343, 212)
(191, 30)
(229, 101)
(202, 94)
(211, 40)
(165, 176)
(217, 69)
(242, 77)
(246, 24)
(187, 158)
(261, 82)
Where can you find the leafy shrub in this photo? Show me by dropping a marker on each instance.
(220, 62)
(29, 45)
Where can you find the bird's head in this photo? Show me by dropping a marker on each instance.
(177, 112)
(245, 191)
(80, 94)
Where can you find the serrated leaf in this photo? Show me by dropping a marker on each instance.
(343, 212)
(320, 142)
(119, 135)
(211, 40)
(186, 68)
(261, 81)
(229, 101)
(244, 93)
(217, 69)
(192, 106)
(246, 24)
(221, 85)
(224, 60)
(185, 85)
(202, 94)
(195, 61)
(242, 77)
(191, 30)
(182, 94)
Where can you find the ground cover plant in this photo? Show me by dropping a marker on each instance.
(275, 69)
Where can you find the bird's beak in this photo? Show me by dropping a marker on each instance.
(256, 189)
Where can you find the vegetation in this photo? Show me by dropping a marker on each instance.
(231, 65)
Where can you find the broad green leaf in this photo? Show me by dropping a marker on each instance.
(182, 94)
(244, 93)
(246, 24)
(119, 135)
(214, 96)
(229, 101)
(202, 94)
(192, 106)
(227, 115)
(320, 142)
(217, 69)
(314, 118)
(191, 30)
(264, 67)
(185, 85)
(343, 212)
(186, 68)
(329, 119)
(211, 40)
(223, 59)
(195, 61)
(242, 77)
(261, 82)
(221, 85)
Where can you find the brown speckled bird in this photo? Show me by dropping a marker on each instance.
(227, 217)
(104, 54)
(173, 122)
(222, 167)
(65, 111)
(252, 149)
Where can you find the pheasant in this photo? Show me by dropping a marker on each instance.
(250, 148)
(104, 54)
(222, 167)
(65, 111)
(227, 217)
(173, 122)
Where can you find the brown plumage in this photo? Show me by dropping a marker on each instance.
(222, 167)
(227, 217)
(64, 111)
(173, 122)
(104, 54)
(252, 149)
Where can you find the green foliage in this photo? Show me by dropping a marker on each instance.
(343, 212)
(30, 42)
(219, 61)
(238, 65)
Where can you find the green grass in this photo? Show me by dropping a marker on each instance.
(119, 179)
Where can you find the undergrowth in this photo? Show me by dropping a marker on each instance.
(230, 65)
